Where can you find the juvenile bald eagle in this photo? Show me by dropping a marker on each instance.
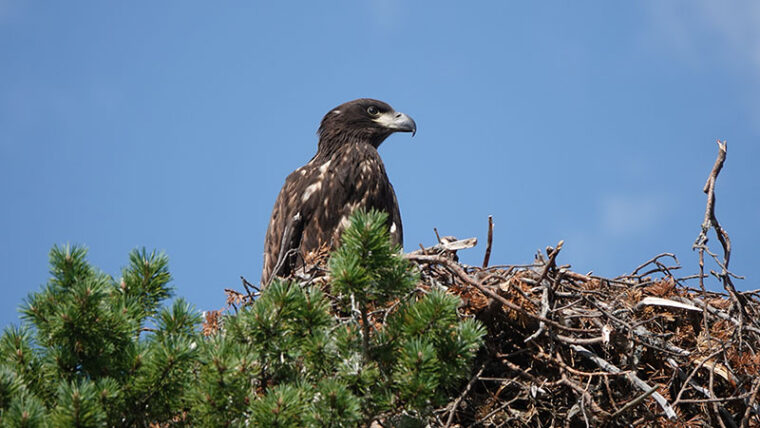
(347, 173)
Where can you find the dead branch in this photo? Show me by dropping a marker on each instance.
(635, 380)
(711, 222)
(489, 243)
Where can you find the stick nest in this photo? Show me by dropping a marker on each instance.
(566, 349)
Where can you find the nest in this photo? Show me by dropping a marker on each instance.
(568, 349)
(571, 349)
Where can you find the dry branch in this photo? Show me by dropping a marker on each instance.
(489, 243)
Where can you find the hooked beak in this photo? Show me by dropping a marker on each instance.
(397, 122)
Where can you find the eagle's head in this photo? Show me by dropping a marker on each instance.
(363, 120)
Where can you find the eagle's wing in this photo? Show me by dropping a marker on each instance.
(285, 229)
(396, 229)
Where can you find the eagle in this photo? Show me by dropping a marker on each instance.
(346, 173)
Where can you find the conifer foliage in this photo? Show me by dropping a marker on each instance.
(86, 356)
(95, 351)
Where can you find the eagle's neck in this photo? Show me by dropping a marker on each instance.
(335, 142)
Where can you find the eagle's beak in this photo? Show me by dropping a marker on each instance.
(398, 122)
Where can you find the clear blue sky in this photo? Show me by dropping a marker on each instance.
(173, 124)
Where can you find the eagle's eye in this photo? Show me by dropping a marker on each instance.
(373, 110)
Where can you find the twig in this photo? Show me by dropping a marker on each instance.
(489, 243)
(751, 404)
(635, 380)
(456, 402)
(578, 340)
(585, 394)
(558, 360)
(248, 286)
(715, 400)
(688, 381)
(495, 411)
(653, 260)
(634, 402)
(546, 294)
(447, 244)
(711, 222)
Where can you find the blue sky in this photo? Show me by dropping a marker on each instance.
(172, 125)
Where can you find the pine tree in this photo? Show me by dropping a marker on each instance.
(95, 351)
(87, 356)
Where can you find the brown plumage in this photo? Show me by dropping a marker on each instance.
(347, 173)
